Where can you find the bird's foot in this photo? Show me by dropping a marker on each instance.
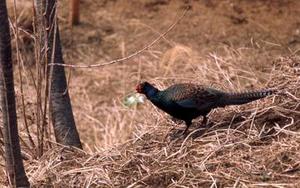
(202, 130)
(199, 132)
(177, 134)
(175, 120)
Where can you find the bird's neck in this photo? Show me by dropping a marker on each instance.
(151, 92)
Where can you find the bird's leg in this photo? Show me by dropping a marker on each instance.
(175, 120)
(204, 121)
(180, 133)
(202, 129)
(188, 124)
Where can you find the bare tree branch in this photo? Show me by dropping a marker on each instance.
(131, 55)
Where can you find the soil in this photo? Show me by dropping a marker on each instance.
(208, 25)
(263, 30)
(251, 34)
(231, 44)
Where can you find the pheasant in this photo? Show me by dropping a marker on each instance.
(188, 101)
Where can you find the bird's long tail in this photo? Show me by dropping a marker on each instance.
(245, 97)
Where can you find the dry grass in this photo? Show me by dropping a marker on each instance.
(245, 146)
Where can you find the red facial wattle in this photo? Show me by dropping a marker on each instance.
(139, 88)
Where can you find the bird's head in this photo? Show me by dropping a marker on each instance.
(146, 88)
(142, 87)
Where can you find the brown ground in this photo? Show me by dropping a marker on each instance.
(231, 44)
(258, 32)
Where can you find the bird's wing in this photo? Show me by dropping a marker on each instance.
(195, 96)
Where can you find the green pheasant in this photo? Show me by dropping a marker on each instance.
(189, 101)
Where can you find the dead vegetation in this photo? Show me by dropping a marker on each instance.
(246, 146)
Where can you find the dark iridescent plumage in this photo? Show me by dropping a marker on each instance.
(188, 101)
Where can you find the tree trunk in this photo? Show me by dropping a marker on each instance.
(13, 159)
(74, 12)
(60, 105)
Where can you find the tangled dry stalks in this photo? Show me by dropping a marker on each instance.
(248, 146)
(244, 146)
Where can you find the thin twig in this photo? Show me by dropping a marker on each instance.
(16, 32)
(131, 55)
